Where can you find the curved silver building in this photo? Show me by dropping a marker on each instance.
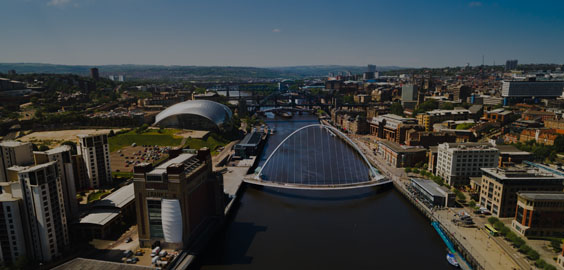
(194, 114)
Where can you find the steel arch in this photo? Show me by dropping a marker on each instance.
(373, 171)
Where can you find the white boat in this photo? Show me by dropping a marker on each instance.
(452, 260)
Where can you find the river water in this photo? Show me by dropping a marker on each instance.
(368, 228)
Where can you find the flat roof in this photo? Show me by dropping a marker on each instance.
(90, 264)
(62, 148)
(37, 167)
(100, 216)
(401, 148)
(511, 150)
(11, 143)
(429, 186)
(252, 138)
(522, 173)
(543, 195)
(179, 159)
(118, 198)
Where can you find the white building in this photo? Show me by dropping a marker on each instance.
(96, 154)
(14, 153)
(456, 162)
(62, 155)
(12, 240)
(42, 193)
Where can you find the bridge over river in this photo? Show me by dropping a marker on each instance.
(317, 157)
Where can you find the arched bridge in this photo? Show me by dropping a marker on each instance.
(293, 109)
(318, 157)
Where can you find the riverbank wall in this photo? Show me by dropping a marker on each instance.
(427, 212)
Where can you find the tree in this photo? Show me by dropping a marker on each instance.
(472, 203)
(112, 133)
(396, 109)
(447, 106)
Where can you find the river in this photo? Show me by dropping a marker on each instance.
(368, 228)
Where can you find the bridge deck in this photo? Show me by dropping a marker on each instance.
(316, 187)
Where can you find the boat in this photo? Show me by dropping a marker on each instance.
(452, 260)
(286, 114)
(272, 130)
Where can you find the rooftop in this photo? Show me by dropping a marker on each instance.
(89, 264)
(521, 173)
(251, 139)
(446, 112)
(429, 186)
(37, 167)
(543, 195)
(60, 149)
(100, 216)
(401, 148)
(510, 149)
(12, 143)
(182, 158)
(118, 198)
(468, 146)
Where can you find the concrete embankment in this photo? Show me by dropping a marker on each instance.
(462, 251)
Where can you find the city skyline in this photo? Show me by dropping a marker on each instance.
(274, 34)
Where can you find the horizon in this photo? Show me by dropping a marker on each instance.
(252, 33)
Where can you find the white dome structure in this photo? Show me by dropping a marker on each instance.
(194, 114)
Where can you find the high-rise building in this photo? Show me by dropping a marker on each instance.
(371, 68)
(14, 153)
(46, 223)
(409, 95)
(462, 93)
(94, 74)
(62, 156)
(95, 152)
(501, 185)
(176, 200)
(81, 180)
(12, 239)
(511, 64)
(457, 162)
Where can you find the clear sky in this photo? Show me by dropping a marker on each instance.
(411, 33)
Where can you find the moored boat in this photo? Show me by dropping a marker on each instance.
(452, 260)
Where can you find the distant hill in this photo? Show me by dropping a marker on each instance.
(188, 72)
(313, 71)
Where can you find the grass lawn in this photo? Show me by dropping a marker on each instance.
(122, 174)
(94, 196)
(213, 141)
(150, 137)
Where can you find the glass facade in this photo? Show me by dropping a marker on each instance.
(155, 219)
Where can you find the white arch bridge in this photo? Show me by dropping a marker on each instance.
(318, 157)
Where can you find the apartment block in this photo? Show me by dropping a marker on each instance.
(62, 156)
(12, 239)
(95, 151)
(14, 153)
(41, 189)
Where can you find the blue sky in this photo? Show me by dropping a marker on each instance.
(281, 33)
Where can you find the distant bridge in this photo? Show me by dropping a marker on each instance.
(333, 170)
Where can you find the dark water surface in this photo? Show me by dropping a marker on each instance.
(368, 228)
